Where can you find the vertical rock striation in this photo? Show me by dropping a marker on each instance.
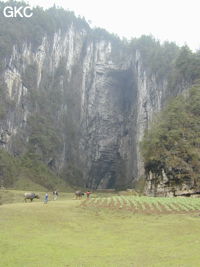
(102, 101)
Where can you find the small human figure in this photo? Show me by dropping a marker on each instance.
(55, 195)
(46, 198)
(88, 194)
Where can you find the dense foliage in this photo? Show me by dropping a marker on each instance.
(27, 172)
(180, 67)
(173, 142)
(15, 31)
(158, 59)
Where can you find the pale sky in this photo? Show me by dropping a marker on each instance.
(172, 20)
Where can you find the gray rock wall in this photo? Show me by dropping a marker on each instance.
(108, 100)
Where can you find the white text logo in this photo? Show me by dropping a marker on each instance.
(14, 12)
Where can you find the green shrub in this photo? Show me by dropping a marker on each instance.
(173, 142)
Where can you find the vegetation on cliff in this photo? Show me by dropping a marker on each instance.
(158, 59)
(173, 142)
(28, 173)
(16, 31)
(179, 66)
(38, 144)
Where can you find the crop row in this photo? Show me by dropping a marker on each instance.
(146, 204)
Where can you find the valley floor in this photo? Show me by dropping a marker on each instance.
(64, 233)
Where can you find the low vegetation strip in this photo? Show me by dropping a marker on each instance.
(146, 204)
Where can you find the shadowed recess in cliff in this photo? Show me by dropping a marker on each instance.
(79, 99)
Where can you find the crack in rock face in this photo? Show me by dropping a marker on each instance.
(104, 98)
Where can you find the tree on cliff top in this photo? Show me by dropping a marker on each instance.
(16, 31)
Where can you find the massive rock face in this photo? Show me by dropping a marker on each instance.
(102, 100)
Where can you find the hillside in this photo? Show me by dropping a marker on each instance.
(171, 147)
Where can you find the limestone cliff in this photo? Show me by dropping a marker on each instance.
(99, 98)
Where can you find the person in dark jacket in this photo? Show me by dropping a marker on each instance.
(46, 198)
(55, 195)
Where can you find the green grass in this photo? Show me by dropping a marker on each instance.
(147, 204)
(64, 233)
(25, 183)
(16, 196)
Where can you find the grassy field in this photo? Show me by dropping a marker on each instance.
(68, 232)
(147, 205)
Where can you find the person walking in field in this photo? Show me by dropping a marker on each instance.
(55, 195)
(46, 198)
(88, 194)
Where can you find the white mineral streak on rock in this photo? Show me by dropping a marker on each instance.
(108, 133)
(39, 59)
(71, 50)
(149, 100)
(141, 109)
(10, 77)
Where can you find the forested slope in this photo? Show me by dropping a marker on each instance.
(171, 147)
